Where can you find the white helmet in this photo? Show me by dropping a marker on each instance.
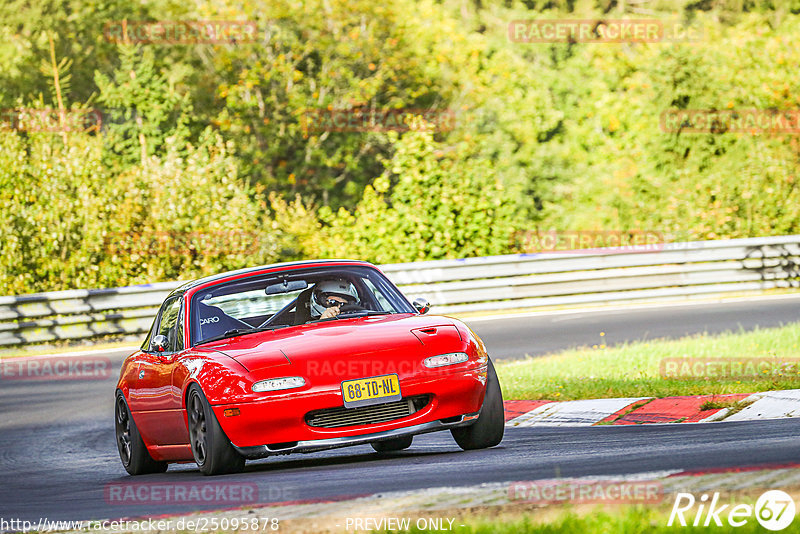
(327, 288)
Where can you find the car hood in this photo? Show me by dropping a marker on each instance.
(367, 340)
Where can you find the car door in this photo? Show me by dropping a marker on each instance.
(153, 400)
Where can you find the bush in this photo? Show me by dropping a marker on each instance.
(67, 223)
(430, 203)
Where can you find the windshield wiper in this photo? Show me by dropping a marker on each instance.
(364, 313)
(241, 331)
(352, 314)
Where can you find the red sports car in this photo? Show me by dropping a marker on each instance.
(299, 357)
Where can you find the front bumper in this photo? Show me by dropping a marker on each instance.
(278, 422)
(314, 445)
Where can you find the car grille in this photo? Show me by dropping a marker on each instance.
(366, 415)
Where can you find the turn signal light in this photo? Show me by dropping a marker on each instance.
(277, 384)
(445, 359)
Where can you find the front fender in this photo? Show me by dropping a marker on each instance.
(220, 377)
(474, 342)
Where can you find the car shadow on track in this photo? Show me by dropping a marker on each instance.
(298, 462)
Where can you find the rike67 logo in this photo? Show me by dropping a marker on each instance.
(774, 510)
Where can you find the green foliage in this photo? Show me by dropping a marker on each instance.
(78, 29)
(67, 222)
(699, 185)
(324, 54)
(444, 204)
(51, 196)
(142, 106)
(199, 140)
(185, 215)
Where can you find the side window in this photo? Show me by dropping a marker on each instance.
(384, 304)
(179, 330)
(169, 324)
(150, 333)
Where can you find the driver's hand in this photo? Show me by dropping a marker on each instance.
(330, 312)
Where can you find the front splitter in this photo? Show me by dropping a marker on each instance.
(315, 445)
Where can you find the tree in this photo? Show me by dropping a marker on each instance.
(444, 204)
(142, 106)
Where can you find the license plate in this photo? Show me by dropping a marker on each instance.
(373, 390)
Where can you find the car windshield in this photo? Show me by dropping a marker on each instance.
(291, 298)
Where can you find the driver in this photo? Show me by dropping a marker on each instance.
(329, 296)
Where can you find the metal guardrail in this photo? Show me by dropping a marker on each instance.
(674, 270)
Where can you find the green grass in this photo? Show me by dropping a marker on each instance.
(633, 370)
(630, 520)
(718, 404)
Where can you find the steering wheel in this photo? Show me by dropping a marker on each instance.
(351, 307)
(344, 309)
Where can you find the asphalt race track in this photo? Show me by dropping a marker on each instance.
(57, 450)
(513, 338)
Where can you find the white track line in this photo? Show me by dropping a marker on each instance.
(770, 405)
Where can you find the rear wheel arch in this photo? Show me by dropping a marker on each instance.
(133, 452)
(124, 390)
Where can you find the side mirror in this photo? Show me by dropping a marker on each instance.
(158, 343)
(422, 305)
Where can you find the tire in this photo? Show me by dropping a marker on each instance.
(211, 448)
(132, 451)
(487, 430)
(391, 445)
